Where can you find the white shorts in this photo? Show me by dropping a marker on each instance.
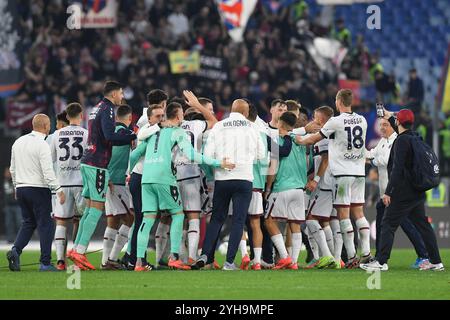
(256, 205)
(289, 204)
(190, 195)
(307, 200)
(207, 193)
(73, 205)
(321, 204)
(333, 214)
(53, 203)
(348, 191)
(119, 201)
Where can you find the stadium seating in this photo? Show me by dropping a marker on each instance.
(419, 34)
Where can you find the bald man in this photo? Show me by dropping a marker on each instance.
(33, 179)
(238, 140)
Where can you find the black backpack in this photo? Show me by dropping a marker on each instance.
(425, 165)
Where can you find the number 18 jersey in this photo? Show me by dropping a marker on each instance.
(346, 148)
(67, 146)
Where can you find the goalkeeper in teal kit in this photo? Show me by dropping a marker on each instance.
(159, 183)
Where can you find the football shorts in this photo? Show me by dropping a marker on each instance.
(118, 201)
(348, 191)
(157, 197)
(95, 182)
(288, 205)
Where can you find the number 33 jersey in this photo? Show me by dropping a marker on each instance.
(67, 146)
(346, 148)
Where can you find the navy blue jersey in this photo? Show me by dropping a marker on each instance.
(102, 135)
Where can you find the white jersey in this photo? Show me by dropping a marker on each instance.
(49, 141)
(346, 149)
(320, 148)
(67, 147)
(273, 133)
(185, 168)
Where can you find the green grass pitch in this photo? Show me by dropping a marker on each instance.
(400, 282)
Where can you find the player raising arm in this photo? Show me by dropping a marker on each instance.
(346, 152)
(159, 185)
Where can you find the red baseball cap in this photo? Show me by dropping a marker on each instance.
(405, 116)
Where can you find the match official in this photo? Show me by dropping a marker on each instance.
(237, 140)
(33, 177)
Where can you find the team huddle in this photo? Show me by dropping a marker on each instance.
(308, 177)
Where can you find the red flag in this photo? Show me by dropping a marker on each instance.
(20, 114)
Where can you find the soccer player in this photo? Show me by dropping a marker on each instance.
(277, 108)
(155, 114)
(94, 163)
(286, 200)
(159, 186)
(256, 208)
(119, 206)
(346, 153)
(188, 173)
(156, 96)
(67, 147)
(321, 203)
(61, 122)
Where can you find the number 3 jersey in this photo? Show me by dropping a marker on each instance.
(346, 148)
(67, 146)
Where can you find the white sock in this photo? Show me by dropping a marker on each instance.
(130, 235)
(108, 242)
(81, 249)
(289, 249)
(364, 235)
(316, 231)
(243, 248)
(119, 243)
(279, 244)
(329, 237)
(296, 245)
(337, 236)
(60, 241)
(183, 250)
(257, 257)
(161, 240)
(313, 244)
(193, 237)
(349, 237)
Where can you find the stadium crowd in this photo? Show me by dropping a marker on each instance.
(271, 63)
(65, 65)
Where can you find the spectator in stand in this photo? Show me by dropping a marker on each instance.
(342, 34)
(415, 93)
(385, 86)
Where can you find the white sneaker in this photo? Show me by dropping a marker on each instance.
(229, 267)
(430, 266)
(374, 265)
